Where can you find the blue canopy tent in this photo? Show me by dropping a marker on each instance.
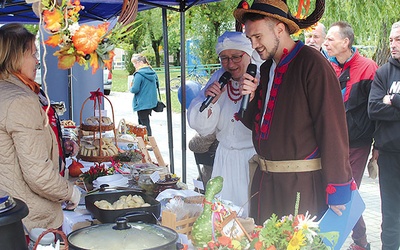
(106, 10)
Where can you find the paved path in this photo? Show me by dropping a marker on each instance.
(122, 103)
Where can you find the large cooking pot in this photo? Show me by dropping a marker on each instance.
(148, 214)
(123, 235)
(12, 211)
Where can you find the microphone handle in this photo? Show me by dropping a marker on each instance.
(243, 106)
(209, 99)
(251, 70)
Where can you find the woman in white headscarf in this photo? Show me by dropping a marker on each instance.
(235, 144)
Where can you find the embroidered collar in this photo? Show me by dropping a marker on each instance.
(263, 132)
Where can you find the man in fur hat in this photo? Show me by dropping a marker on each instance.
(297, 118)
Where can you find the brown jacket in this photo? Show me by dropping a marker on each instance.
(307, 120)
(29, 156)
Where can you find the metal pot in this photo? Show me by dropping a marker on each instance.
(12, 211)
(123, 235)
(145, 214)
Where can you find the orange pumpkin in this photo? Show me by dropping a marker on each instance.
(86, 39)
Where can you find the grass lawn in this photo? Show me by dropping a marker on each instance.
(120, 84)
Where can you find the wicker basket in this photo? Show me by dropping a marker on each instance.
(54, 231)
(97, 128)
(97, 98)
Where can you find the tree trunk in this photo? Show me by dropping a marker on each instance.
(382, 52)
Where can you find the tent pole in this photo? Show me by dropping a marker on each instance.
(183, 91)
(168, 91)
(70, 113)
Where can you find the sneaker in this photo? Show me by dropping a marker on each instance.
(354, 246)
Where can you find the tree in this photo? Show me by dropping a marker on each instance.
(206, 22)
(371, 21)
(154, 34)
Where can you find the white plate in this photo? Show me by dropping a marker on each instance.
(118, 181)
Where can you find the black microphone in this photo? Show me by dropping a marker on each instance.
(251, 70)
(223, 80)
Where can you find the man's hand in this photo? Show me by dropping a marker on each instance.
(338, 209)
(386, 100)
(248, 85)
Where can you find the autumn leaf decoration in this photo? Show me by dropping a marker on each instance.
(303, 4)
(83, 44)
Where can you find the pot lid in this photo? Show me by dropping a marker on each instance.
(123, 235)
(6, 201)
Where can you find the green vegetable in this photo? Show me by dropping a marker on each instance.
(202, 227)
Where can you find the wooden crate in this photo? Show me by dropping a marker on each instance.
(183, 226)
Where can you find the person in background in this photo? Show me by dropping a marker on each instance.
(144, 86)
(384, 108)
(29, 153)
(235, 147)
(291, 132)
(355, 74)
(316, 37)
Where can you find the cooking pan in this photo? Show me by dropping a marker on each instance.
(124, 235)
(148, 214)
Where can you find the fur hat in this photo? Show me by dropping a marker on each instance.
(279, 10)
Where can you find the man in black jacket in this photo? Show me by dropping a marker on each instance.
(384, 107)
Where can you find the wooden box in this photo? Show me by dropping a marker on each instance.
(183, 226)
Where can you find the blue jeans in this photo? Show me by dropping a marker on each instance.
(389, 183)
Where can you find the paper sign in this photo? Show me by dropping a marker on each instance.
(331, 222)
(103, 113)
(198, 184)
(155, 176)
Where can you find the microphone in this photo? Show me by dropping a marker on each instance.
(223, 80)
(251, 70)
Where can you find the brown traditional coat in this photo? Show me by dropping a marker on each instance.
(306, 119)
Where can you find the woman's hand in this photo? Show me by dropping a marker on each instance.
(74, 200)
(214, 90)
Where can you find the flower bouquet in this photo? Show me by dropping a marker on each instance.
(291, 232)
(84, 44)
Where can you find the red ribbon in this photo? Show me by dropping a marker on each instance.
(96, 96)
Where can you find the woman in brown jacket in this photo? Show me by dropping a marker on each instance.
(29, 168)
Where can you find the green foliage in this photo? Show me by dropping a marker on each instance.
(33, 28)
(371, 21)
(207, 22)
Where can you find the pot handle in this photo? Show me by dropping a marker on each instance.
(141, 216)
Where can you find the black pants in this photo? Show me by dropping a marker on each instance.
(389, 182)
(144, 119)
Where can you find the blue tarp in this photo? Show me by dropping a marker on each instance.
(95, 10)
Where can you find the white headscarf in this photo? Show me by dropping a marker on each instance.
(234, 40)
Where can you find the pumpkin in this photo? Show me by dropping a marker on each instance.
(86, 39)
